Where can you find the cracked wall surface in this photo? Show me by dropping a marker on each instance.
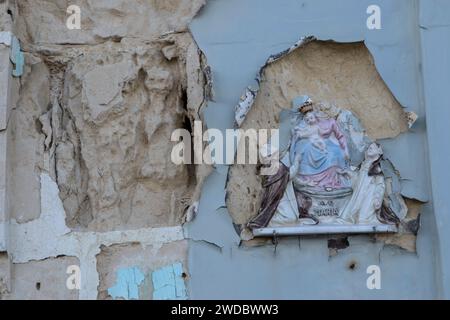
(86, 176)
(88, 128)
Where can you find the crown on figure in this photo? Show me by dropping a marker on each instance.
(308, 107)
(304, 104)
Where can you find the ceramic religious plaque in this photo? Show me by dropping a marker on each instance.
(332, 178)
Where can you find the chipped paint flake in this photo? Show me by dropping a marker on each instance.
(168, 283)
(127, 284)
(5, 38)
(245, 104)
(411, 118)
(17, 57)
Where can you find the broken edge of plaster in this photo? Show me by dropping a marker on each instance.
(17, 57)
(31, 243)
(249, 96)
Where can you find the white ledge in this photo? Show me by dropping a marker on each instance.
(324, 229)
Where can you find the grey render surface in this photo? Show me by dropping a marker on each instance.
(411, 54)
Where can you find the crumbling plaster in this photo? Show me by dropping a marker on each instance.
(31, 243)
(74, 102)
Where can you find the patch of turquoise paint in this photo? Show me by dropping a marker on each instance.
(168, 283)
(127, 284)
(17, 57)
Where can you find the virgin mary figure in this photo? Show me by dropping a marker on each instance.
(319, 153)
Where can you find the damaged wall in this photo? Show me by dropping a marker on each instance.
(147, 260)
(44, 21)
(120, 105)
(340, 74)
(236, 53)
(89, 127)
(86, 176)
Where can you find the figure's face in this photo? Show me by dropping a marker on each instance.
(310, 118)
(374, 151)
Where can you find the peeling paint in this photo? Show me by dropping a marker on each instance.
(31, 243)
(17, 57)
(248, 98)
(168, 283)
(5, 38)
(127, 285)
(235, 52)
(244, 105)
(412, 118)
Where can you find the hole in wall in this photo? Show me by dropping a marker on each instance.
(343, 74)
(352, 265)
(38, 286)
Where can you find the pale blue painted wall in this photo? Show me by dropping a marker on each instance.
(237, 36)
